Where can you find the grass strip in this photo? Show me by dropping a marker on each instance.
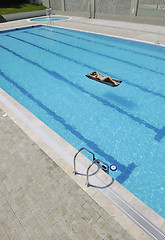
(22, 7)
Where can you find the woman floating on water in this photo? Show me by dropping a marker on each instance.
(106, 80)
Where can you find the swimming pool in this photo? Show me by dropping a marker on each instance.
(45, 71)
(48, 19)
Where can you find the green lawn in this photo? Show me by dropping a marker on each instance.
(22, 7)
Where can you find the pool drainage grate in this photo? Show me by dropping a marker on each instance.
(141, 221)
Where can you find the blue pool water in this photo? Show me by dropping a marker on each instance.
(44, 69)
(47, 19)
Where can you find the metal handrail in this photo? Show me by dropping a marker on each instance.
(94, 162)
(102, 165)
(76, 156)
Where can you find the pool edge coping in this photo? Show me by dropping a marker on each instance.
(104, 34)
(129, 225)
(109, 35)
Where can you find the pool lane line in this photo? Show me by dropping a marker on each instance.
(125, 171)
(160, 134)
(90, 67)
(93, 41)
(60, 77)
(96, 53)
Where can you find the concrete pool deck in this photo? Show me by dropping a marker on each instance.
(42, 184)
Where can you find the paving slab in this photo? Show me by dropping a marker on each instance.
(36, 200)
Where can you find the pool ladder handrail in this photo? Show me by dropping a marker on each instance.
(95, 161)
(74, 161)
